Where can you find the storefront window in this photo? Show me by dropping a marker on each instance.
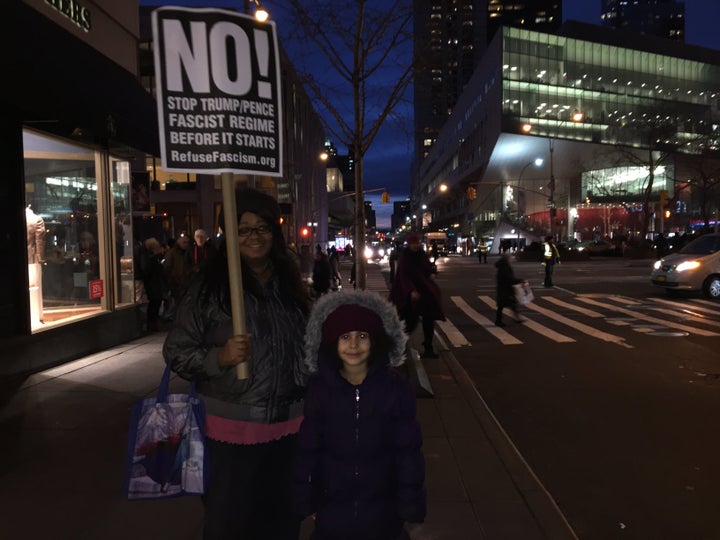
(122, 233)
(66, 266)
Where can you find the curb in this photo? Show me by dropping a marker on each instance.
(540, 502)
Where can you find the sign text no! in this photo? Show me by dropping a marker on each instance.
(218, 92)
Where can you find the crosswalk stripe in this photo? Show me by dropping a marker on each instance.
(534, 326)
(709, 303)
(505, 337)
(625, 300)
(691, 307)
(691, 311)
(584, 311)
(457, 339)
(685, 311)
(584, 328)
(648, 318)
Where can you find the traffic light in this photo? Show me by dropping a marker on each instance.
(471, 193)
(385, 197)
(667, 214)
(305, 231)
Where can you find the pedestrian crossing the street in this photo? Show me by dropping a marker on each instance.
(602, 317)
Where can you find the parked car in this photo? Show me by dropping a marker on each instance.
(696, 267)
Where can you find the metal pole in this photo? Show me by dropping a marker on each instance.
(662, 220)
(552, 191)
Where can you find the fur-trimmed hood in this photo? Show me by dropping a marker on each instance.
(330, 302)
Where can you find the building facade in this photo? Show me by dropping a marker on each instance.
(596, 113)
(540, 15)
(77, 127)
(450, 39)
(662, 18)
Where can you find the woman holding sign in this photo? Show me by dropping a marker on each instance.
(251, 422)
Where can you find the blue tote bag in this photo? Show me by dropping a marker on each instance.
(166, 454)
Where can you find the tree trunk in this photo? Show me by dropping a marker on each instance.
(359, 223)
(647, 214)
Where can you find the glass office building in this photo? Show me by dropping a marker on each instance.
(595, 92)
(588, 108)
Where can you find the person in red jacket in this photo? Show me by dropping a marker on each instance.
(415, 293)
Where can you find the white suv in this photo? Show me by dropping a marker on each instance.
(695, 267)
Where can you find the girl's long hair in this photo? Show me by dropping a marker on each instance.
(217, 280)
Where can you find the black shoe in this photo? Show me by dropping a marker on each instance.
(499, 323)
(430, 354)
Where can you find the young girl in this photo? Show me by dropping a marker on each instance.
(358, 467)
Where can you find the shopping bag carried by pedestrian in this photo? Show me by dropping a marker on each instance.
(523, 293)
(166, 454)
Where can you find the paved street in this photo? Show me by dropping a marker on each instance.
(591, 420)
(605, 391)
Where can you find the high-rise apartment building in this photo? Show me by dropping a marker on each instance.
(450, 38)
(662, 18)
(542, 15)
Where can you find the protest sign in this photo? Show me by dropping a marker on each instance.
(218, 92)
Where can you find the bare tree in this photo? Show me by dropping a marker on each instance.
(364, 44)
(660, 145)
(705, 183)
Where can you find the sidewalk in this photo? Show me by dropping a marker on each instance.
(64, 435)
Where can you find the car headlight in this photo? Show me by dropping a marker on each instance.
(657, 264)
(368, 253)
(381, 252)
(687, 265)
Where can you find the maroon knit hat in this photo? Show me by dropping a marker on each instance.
(349, 318)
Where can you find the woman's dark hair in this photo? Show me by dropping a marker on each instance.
(380, 347)
(284, 267)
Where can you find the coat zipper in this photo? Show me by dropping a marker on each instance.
(357, 441)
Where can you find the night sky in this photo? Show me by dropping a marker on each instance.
(387, 163)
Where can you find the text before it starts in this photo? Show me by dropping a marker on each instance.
(217, 138)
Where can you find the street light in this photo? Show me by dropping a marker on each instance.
(521, 210)
(261, 14)
(537, 162)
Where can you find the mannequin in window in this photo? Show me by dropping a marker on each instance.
(35, 237)
(36, 256)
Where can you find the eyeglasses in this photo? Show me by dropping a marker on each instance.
(259, 230)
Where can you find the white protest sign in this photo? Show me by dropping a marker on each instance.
(218, 92)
